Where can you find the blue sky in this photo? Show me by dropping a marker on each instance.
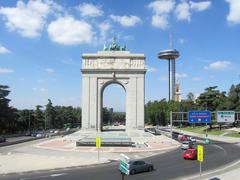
(41, 43)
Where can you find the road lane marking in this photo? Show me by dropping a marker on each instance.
(219, 147)
(42, 177)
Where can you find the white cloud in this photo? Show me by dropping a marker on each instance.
(151, 69)
(69, 31)
(181, 75)
(5, 70)
(234, 13)
(218, 65)
(196, 79)
(104, 28)
(26, 19)
(200, 6)
(161, 6)
(43, 90)
(161, 10)
(126, 21)
(183, 11)
(3, 50)
(90, 10)
(49, 70)
(160, 21)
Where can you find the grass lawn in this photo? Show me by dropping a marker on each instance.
(201, 130)
(233, 134)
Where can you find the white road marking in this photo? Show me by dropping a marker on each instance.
(219, 147)
(56, 175)
(42, 177)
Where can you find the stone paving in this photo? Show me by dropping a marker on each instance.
(61, 152)
(144, 142)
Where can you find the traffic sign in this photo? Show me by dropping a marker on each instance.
(199, 116)
(124, 167)
(200, 153)
(226, 116)
(98, 141)
(124, 164)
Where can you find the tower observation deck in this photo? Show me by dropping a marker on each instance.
(170, 55)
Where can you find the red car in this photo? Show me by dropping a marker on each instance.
(190, 153)
(184, 138)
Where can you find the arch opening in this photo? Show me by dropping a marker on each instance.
(113, 107)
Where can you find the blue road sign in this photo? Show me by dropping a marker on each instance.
(199, 117)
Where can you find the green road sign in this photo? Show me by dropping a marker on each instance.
(225, 116)
(124, 167)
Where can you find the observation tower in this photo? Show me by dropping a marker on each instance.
(170, 55)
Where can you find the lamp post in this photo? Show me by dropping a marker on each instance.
(206, 135)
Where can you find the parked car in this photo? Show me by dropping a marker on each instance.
(28, 133)
(39, 135)
(51, 130)
(139, 166)
(34, 134)
(190, 153)
(176, 135)
(2, 139)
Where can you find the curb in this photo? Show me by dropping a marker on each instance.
(102, 151)
(18, 142)
(60, 168)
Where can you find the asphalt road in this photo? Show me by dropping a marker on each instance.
(167, 166)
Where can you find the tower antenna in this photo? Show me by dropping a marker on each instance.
(170, 40)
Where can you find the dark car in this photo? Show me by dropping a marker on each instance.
(2, 139)
(175, 135)
(139, 166)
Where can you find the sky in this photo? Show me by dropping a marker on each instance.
(41, 43)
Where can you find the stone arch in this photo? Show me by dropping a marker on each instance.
(104, 86)
(113, 81)
(113, 67)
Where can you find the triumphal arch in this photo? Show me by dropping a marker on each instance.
(112, 65)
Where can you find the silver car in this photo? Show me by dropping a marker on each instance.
(186, 144)
(139, 166)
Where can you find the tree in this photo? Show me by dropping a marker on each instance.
(190, 97)
(234, 97)
(211, 99)
(39, 118)
(156, 112)
(106, 116)
(50, 115)
(7, 113)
